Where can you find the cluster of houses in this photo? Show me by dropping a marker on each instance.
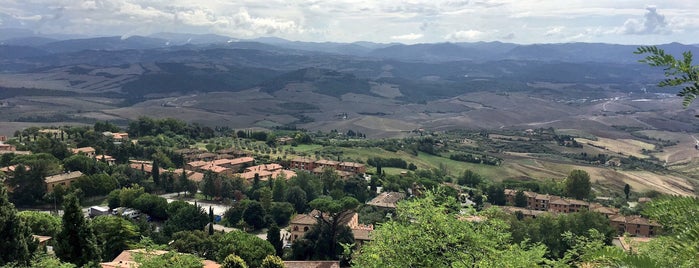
(344, 169)
(538, 204)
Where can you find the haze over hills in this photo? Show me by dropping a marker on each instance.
(268, 82)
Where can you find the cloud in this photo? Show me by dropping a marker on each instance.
(652, 23)
(554, 31)
(467, 35)
(509, 36)
(407, 37)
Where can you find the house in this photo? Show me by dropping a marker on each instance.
(3, 138)
(43, 241)
(107, 159)
(126, 259)
(302, 163)
(87, 151)
(312, 264)
(386, 200)
(303, 223)
(7, 147)
(65, 180)
(635, 225)
(327, 163)
(527, 213)
(352, 167)
(116, 136)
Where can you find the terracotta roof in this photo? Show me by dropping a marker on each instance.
(126, 259)
(312, 264)
(386, 199)
(267, 167)
(197, 163)
(63, 177)
(264, 174)
(304, 219)
(41, 238)
(362, 234)
(214, 168)
(351, 164)
(543, 197)
(577, 202)
(303, 160)
(559, 201)
(327, 162)
(83, 150)
(288, 174)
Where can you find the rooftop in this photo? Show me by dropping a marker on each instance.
(63, 177)
(386, 199)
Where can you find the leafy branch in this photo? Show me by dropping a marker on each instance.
(679, 72)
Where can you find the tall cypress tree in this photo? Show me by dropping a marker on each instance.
(274, 237)
(155, 172)
(76, 243)
(16, 242)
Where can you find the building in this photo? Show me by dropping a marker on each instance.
(352, 167)
(387, 200)
(635, 225)
(110, 160)
(302, 163)
(116, 136)
(322, 164)
(303, 223)
(87, 151)
(7, 147)
(126, 259)
(221, 166)
(64, 179)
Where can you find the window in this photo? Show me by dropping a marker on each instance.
(296, 228)
(305, 229)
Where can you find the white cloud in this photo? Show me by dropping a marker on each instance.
(651, 23)
(407, 37)
(554, 31)
(468, 35)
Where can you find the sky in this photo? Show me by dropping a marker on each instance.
(383, 21)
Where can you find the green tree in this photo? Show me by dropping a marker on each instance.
(155, 173)
(297, 197)
(17, 244)
(578, 185)
(183, 216)
(333, 213)
(627, 190)
(41, 223)
(115, 235)
(196, 242)
(679, 72)
(272, 262)
(274, 238)
(520, 199)
(469, 178)
(254, 215)
(233, 261)
(426, 233)
(496, 195)
(170, 259)
(250, 248)
(76, 243)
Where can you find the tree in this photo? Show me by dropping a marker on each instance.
(115, 235)
(254, 215)
(17, 243)
(520, 199)
(250, 248)
(196, 242)
(426, 233)
(627, 190)
(274, 238)
(297, 197)
(150, 259)
(233, 261)
(469, 178)
(76, 243)
(155, 172)
(679, 72)
(496, 195)
(41, 223)
(183, 216)
(272, 262)
(333, 213)
(577, 185)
